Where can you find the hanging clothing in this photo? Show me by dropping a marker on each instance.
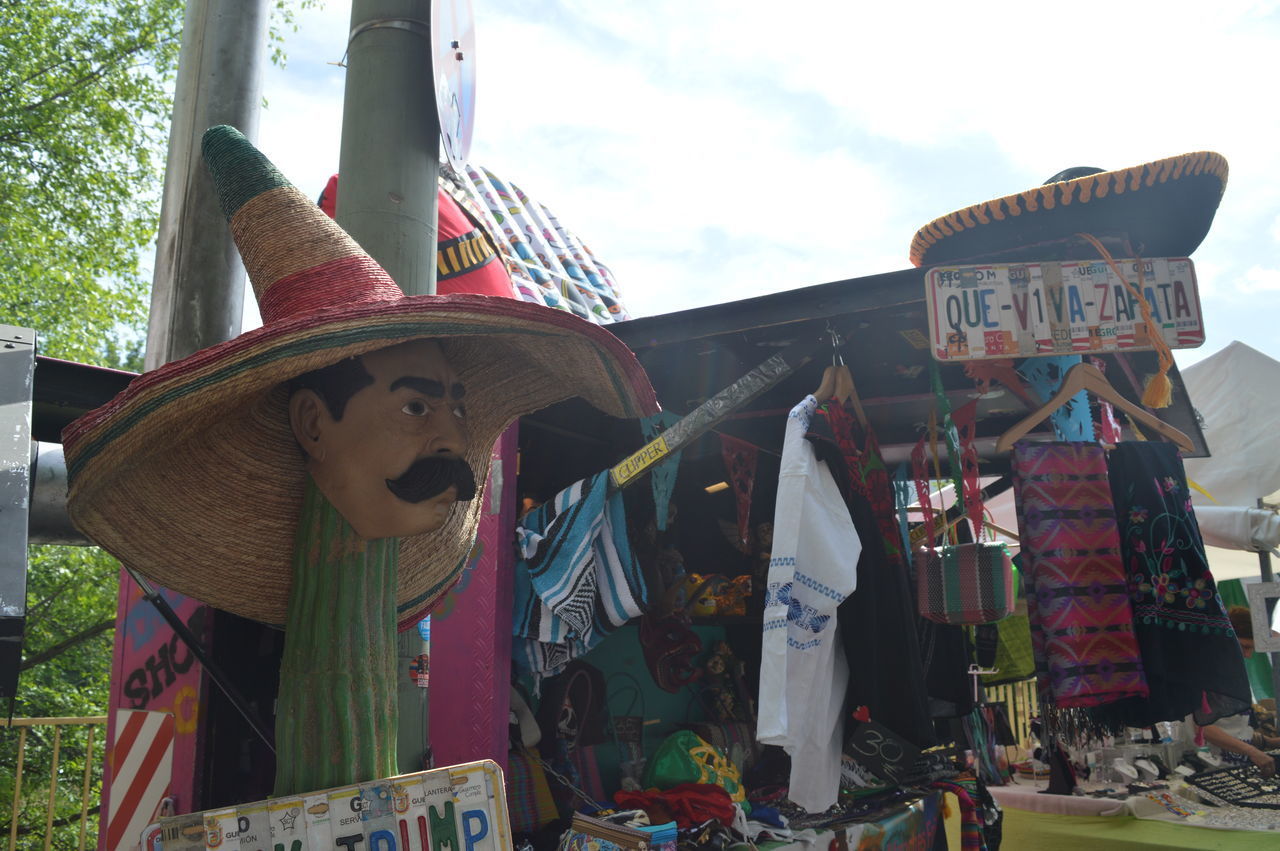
(1077, 598)
(577, 579)
(886, 673)
(803, 675)
(1189, 650)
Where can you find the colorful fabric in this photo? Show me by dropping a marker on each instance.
(1189, 650)
(964, 584)
(965, 418)
(577, 579)
(920, 477)
(662, 477)
(465, 258)
(478, 200)
(1258, 665)
(868, 475)
(689, 804)
(740, 460)
(597, 273)
(1077, 598)
(529, 797)
(1071, 420)
(902, 490)
(971, 837)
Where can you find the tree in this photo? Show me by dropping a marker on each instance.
(84, 107)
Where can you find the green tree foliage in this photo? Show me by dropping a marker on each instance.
(66, 673)
(85, 100)
(84, 110)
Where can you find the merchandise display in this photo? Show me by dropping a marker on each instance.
(1240, 786)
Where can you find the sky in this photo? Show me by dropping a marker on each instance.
(709, 151)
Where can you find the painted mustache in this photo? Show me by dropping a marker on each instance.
(428, 477)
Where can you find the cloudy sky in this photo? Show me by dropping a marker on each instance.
(710, 151)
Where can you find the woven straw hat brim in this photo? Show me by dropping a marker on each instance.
(1165, 207)
(192, 475)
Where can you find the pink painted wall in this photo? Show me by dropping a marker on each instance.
(152, 669)
(471, 638)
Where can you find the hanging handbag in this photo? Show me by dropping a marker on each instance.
(1014, 658)
(529, 798)
(959, 584)
(965, 583)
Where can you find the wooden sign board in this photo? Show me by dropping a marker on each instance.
(1019, 310)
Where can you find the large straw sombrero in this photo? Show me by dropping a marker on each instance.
(192, 475)
(1162, 209)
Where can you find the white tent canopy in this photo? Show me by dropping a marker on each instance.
(1237, 393)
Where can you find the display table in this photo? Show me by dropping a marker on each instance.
(1029, 795)
(1071, 822)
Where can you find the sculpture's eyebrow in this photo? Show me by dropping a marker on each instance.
(428, 386)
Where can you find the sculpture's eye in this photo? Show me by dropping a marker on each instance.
(416, 408)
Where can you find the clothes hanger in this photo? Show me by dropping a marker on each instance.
(837, 381)
(1085, 376)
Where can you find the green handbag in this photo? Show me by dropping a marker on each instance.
(1014, 658)
(683, 757)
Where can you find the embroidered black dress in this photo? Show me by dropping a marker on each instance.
(877, 621)
(1190, 654)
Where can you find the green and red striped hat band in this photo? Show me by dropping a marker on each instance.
(298, 259)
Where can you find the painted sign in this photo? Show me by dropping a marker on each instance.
(153, 670)
(1018, 310)
(644, 458)
(459, 808)
(142, 758)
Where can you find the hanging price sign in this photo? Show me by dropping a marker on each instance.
(882, 752)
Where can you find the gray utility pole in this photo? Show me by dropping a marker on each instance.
(197, 295)
(387, 173)
(389, 164)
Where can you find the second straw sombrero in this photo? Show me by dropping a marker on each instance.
(1163, 208)
(192, 476)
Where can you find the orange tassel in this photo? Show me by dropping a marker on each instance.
(1159, 390)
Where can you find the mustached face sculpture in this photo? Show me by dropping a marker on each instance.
(385, 436)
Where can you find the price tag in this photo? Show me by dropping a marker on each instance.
(882, 752)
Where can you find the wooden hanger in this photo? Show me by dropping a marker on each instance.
(837, 381)
(1085, 376)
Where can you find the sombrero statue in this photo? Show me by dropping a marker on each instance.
(192, 475)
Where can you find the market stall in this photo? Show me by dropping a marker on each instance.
(718, 648)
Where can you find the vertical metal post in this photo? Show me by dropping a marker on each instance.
(389, 162)
(17, 371)
(388, 168)
(197, 295)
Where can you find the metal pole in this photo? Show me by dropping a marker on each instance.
(197, 294)
(387, 170)
(389, 162)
